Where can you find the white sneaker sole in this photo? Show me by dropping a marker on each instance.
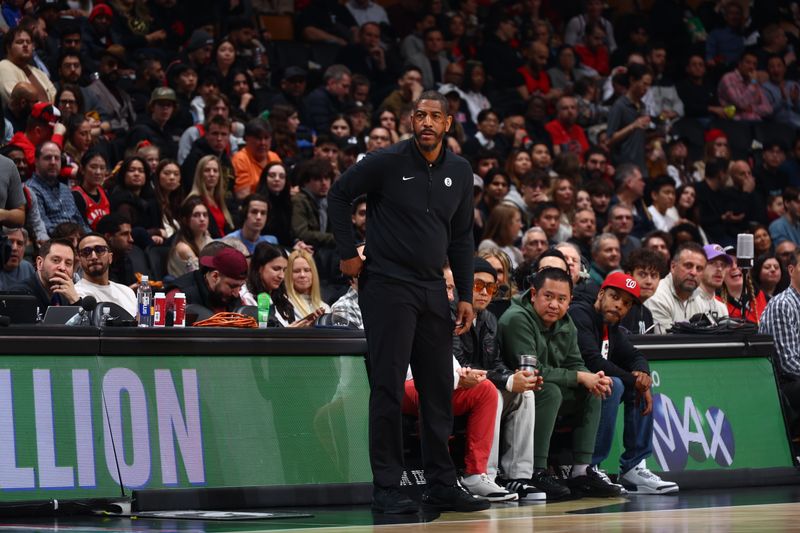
(669, 489)
(534, 497)
(510, 497)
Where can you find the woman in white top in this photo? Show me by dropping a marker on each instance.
(663, 210)
(302, 284)
(191, 237)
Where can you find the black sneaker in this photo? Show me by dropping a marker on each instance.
(550, 485)
(392, 501)
(452, 498)
(595, 484)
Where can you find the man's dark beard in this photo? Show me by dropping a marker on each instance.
(217, 300)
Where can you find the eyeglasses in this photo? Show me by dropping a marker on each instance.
(100, 250)
(490, 287)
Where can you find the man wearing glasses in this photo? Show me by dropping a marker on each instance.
(477, 350)
(95, 257)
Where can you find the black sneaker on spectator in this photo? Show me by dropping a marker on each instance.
(453, 498)
(392, 501)
(550, 485)
(526, 491)
(595, 483)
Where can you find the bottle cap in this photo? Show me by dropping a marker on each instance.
(145, 278)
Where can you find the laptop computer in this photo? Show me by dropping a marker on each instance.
(19, 308)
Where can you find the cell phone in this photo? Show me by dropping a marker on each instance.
(313, 314)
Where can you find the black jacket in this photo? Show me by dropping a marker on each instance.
(193, 285)
(623, 357)
(478, 348)
(638, 321)
(419, 214)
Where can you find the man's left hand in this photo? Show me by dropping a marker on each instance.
(464, 316)
(643, 381)
(61, 283)
(647, 401)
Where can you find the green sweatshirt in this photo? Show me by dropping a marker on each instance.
(521, 332)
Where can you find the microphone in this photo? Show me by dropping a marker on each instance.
(744, 251)
(88, 303)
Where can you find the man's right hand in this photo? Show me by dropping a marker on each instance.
(598, 384)
(351, 267)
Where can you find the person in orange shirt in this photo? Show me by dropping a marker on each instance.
(249, 162)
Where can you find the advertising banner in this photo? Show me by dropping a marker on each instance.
(78, 427)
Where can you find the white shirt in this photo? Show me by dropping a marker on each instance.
(113, 292)
(666, 221)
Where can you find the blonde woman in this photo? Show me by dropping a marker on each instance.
(501, 263)
(302, 284)
(502, 229)
(208, 187)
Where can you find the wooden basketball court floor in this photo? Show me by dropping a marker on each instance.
(769, 509)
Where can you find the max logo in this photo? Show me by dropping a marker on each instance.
(676, 437)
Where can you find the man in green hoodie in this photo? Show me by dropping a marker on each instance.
(537, 323)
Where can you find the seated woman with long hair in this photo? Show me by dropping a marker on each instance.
(190, 238)
(502, 230)
(169, 194)
(90, 197)
(267, 274)
(303, 285)
(207, 186)
(133, 196)
(735, 295)
(274, 185)
(769, 275)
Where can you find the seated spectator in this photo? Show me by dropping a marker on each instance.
(327, 22)
(366, 11)
(79, 138)
(600, 193)
(216, 104)
(679, 296)
(240, 89)
(215, 142)
(784, 250)
(738, 296)
(255, 213)
(303, 285)
(535, 76)
(645, 266)
(106, 96)
(209, 187)
(534, 242)
(787, 227)
(606, 257)
(274, 185)
(359, 218)
(578, 26)
(133, 197)
(432, 61)
(562, 193)
(498, 55)
(478, 373)
(116, 229)
(249, 162)
(662, 210)
(537, 323)
(95, 258)
(568, 70)
(592, 50)
(566, 135)
(496, 186)
(169, 194)
(698, 95)
(605, 348)
(584, 229)
(771, 179)
(762, 241)
(52, 284)
(781, 319)
(310, 206)
(620, 223)
(502, 230)
(16, 67)
(770, 276)
(783, 94)
(192, 236)
(662, 100)
(409, 87)
(42, 125)
(324, 102)
(16, 271)
(158, 126)
(724, 46)
(266, 275)
(20, 104)
(90, 197)
(12, 195)
(54, 198)
(487, 137)
(216, 284)
(718, 263)
(547, 216)
(739, 88)
(630, 186)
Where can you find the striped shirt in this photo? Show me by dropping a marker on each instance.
(781, 319)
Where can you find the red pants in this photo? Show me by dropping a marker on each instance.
(480, 403)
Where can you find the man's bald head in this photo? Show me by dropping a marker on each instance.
(23, 91)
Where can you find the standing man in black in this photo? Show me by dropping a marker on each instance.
(419, 208)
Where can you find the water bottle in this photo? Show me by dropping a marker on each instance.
(105, 318)
(144, 297)
(264, 303)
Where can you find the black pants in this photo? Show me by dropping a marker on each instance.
(404, 324)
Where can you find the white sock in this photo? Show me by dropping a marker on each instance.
(471, 477)
(578, 470)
